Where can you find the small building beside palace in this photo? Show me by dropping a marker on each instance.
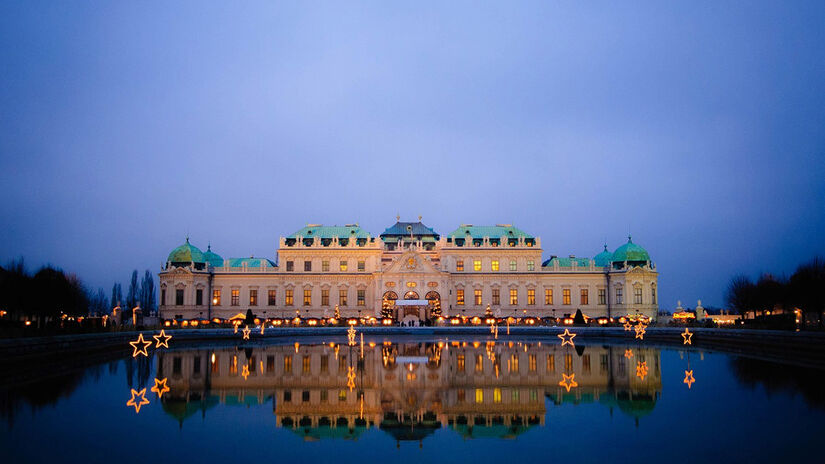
(408, 273)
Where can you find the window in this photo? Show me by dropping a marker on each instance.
(216, 297)
(325, 265)
(494, 265)
(306, 364)
(619, 296)
(178, 297)
(548, 296)
(216, 365)
(288, 363)
(586, 363)
(163, 296)
(324, 297)
(603, 363)
(272, 297)
(531, 265)
(584, 297)
(324, 363)
(305, 396)
(653, 295)
(362, 266)
(637, 295)
(307, 266)
(459, 265)
(513, 265)
(270, 364)
(602, 296)
(568, 362)
(479, 395)
(496, 296)
(342, 395)
(476, 264)
(531, 361)
(513, 363)
(513, 296)
(460, 363)
(287, 396)
(342, 364)
(461, 395)
(253, 297)
(290, 266)
(531, 296)
(565, 296)
(496, 395)
(342, 297)
(324, 396)
(236, 297)
(342, 265)
(459, 297)
(479, 363)
(361, 297)
(233, 366)
(307, 296)
(196, 366)
(551, 363)
(199, 297)
(477, 296)
(515, 396)
(288, 297)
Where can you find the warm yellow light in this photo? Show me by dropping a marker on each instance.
(213, 358)
(628, 353)
(160, 387)
(162, 340)
(686, 337)
(566, 338)
(640, 330)
(641, 369)
(568, 381)
(137, 395)
(245, 372)
(246, 331)
(689, 378)
(137, 351)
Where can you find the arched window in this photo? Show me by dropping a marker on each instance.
(387, 303)
(434, 299)
(411, 295)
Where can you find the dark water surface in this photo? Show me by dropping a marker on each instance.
(409, 400)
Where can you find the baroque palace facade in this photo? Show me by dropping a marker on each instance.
(408, 273)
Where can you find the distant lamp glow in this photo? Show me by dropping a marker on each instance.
(137, 351)
(140, 396)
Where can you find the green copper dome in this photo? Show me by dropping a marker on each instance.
(604, 258)
(630, 252)
(212, 258)
(186, 253)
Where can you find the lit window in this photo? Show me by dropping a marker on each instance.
(477, 296)
(568, 363)
(290, 266)
(584, 297)
(479, 363)
(362, 266)
(460, 363)
(531, 296)
(459, 297)
(342, 395)
(565, 296)
(361, 295)
(551, 363)
(233, 366)
(272, 298)
(479, 395)
(236, 297)
(513, 363)
(288, 363)
(496, 395)
(531, 265)
(216, 297)
(531, 361)
(307, 297)
(324, 297)
(496, 297)
(476, 264)
(216, 363)
(548, 296)
(513, 266)
(586, 363)
(324, 363)
(342, 297)
(342, 265)
(494, 265)
(253, 297)
(602, 296)
(459, 265)
(325, 265)
(513, 296)
(306, 364)
(288, 297)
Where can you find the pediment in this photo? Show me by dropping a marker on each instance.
(412, 262)
(182, 271)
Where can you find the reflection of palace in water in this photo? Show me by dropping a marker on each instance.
(409, 389)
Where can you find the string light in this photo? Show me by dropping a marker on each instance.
(564, 338)
(165, 342)
(686, 337)
(160, 387)
(351, 378)
(568, 381)
(351, 336)
(137, 395)
(137, 351)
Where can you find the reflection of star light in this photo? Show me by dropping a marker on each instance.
(245, 371)
(351, 336)
(640, 331)
(628, 353)
(568, 382)
(641, 369)
(627, 326)
(140, 341)
(351, 378)
(165, 342)
(246, 332)
(689, 378)
(163, 388)
(686, 337)
(263, 326)
(564, 340)
(137, 395)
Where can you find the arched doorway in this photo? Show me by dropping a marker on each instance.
(411, 295)
(410, 314)
(388, 305)
(434, 300)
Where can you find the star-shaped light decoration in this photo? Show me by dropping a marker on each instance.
(351, 336)
(137, 395)
(245, 372)
(568, 381)
(640, 330)
(689, 378)
(164, 337)
(564, 338)
(246, 331)
(686, 337)
(627, 325)
(351, 378)
(160, 387)
(628, 353)
(641, 369)
(142, 350)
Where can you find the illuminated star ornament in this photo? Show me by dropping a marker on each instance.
(568, 381)
(142, 350)
(566, 338)
(641, 370)
(628, 353)
(686, 337)
(246, 332)
(164, 337)
(689, 378)
(351, 336)
(640, 331)
(351, 378)
(628, 326)
(137, 395)
(160, 387)
(245, 371)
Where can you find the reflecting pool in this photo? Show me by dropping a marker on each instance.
(408, 400)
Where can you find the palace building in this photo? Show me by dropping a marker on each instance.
(408, 273)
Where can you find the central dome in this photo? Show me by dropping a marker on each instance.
(185, 254)
(631, 253)
(212, 258)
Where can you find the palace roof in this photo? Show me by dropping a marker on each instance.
(212, 258)
(250, 262)
(630, 252)
(322, 231)
(404, 229)
(496, 231)
(186, 253)
(566, 262)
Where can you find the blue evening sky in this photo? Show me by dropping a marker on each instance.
(697, 126)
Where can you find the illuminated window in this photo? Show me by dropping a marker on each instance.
(477, 296)
(494, 265)
(324, 363)
(479, 363)
(479, 395)
(215, 364)
(476, 264)
(548, 296)
(199, 297)
(307, 296)
(251, 364)
(637, 295)
(496, 297)
(362, 266)
(496, 395)
(459, 297)
(342, 297)
(272, 297)
(531, 265)
(324, 297)
(290, 266)
(531, 361)
(460, 363)
(513, 363)
(325, 265)
(619, 296)
(513, 296)
(459, 265)
(531, 296)
(236, 297)
(233, 366)
(551, 363)
(568, 363)
(253, 297)
(179, 297)
(342, 265)
(565, 296)
(306, 364)
(342, 395)
(513, 265)
(584, 297)
(216, 297)
(602, 296)
(287, 363)
(288, 297)
(307, 266)
(361, 297)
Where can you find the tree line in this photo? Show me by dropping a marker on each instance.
(50, 292)
(804, 290)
